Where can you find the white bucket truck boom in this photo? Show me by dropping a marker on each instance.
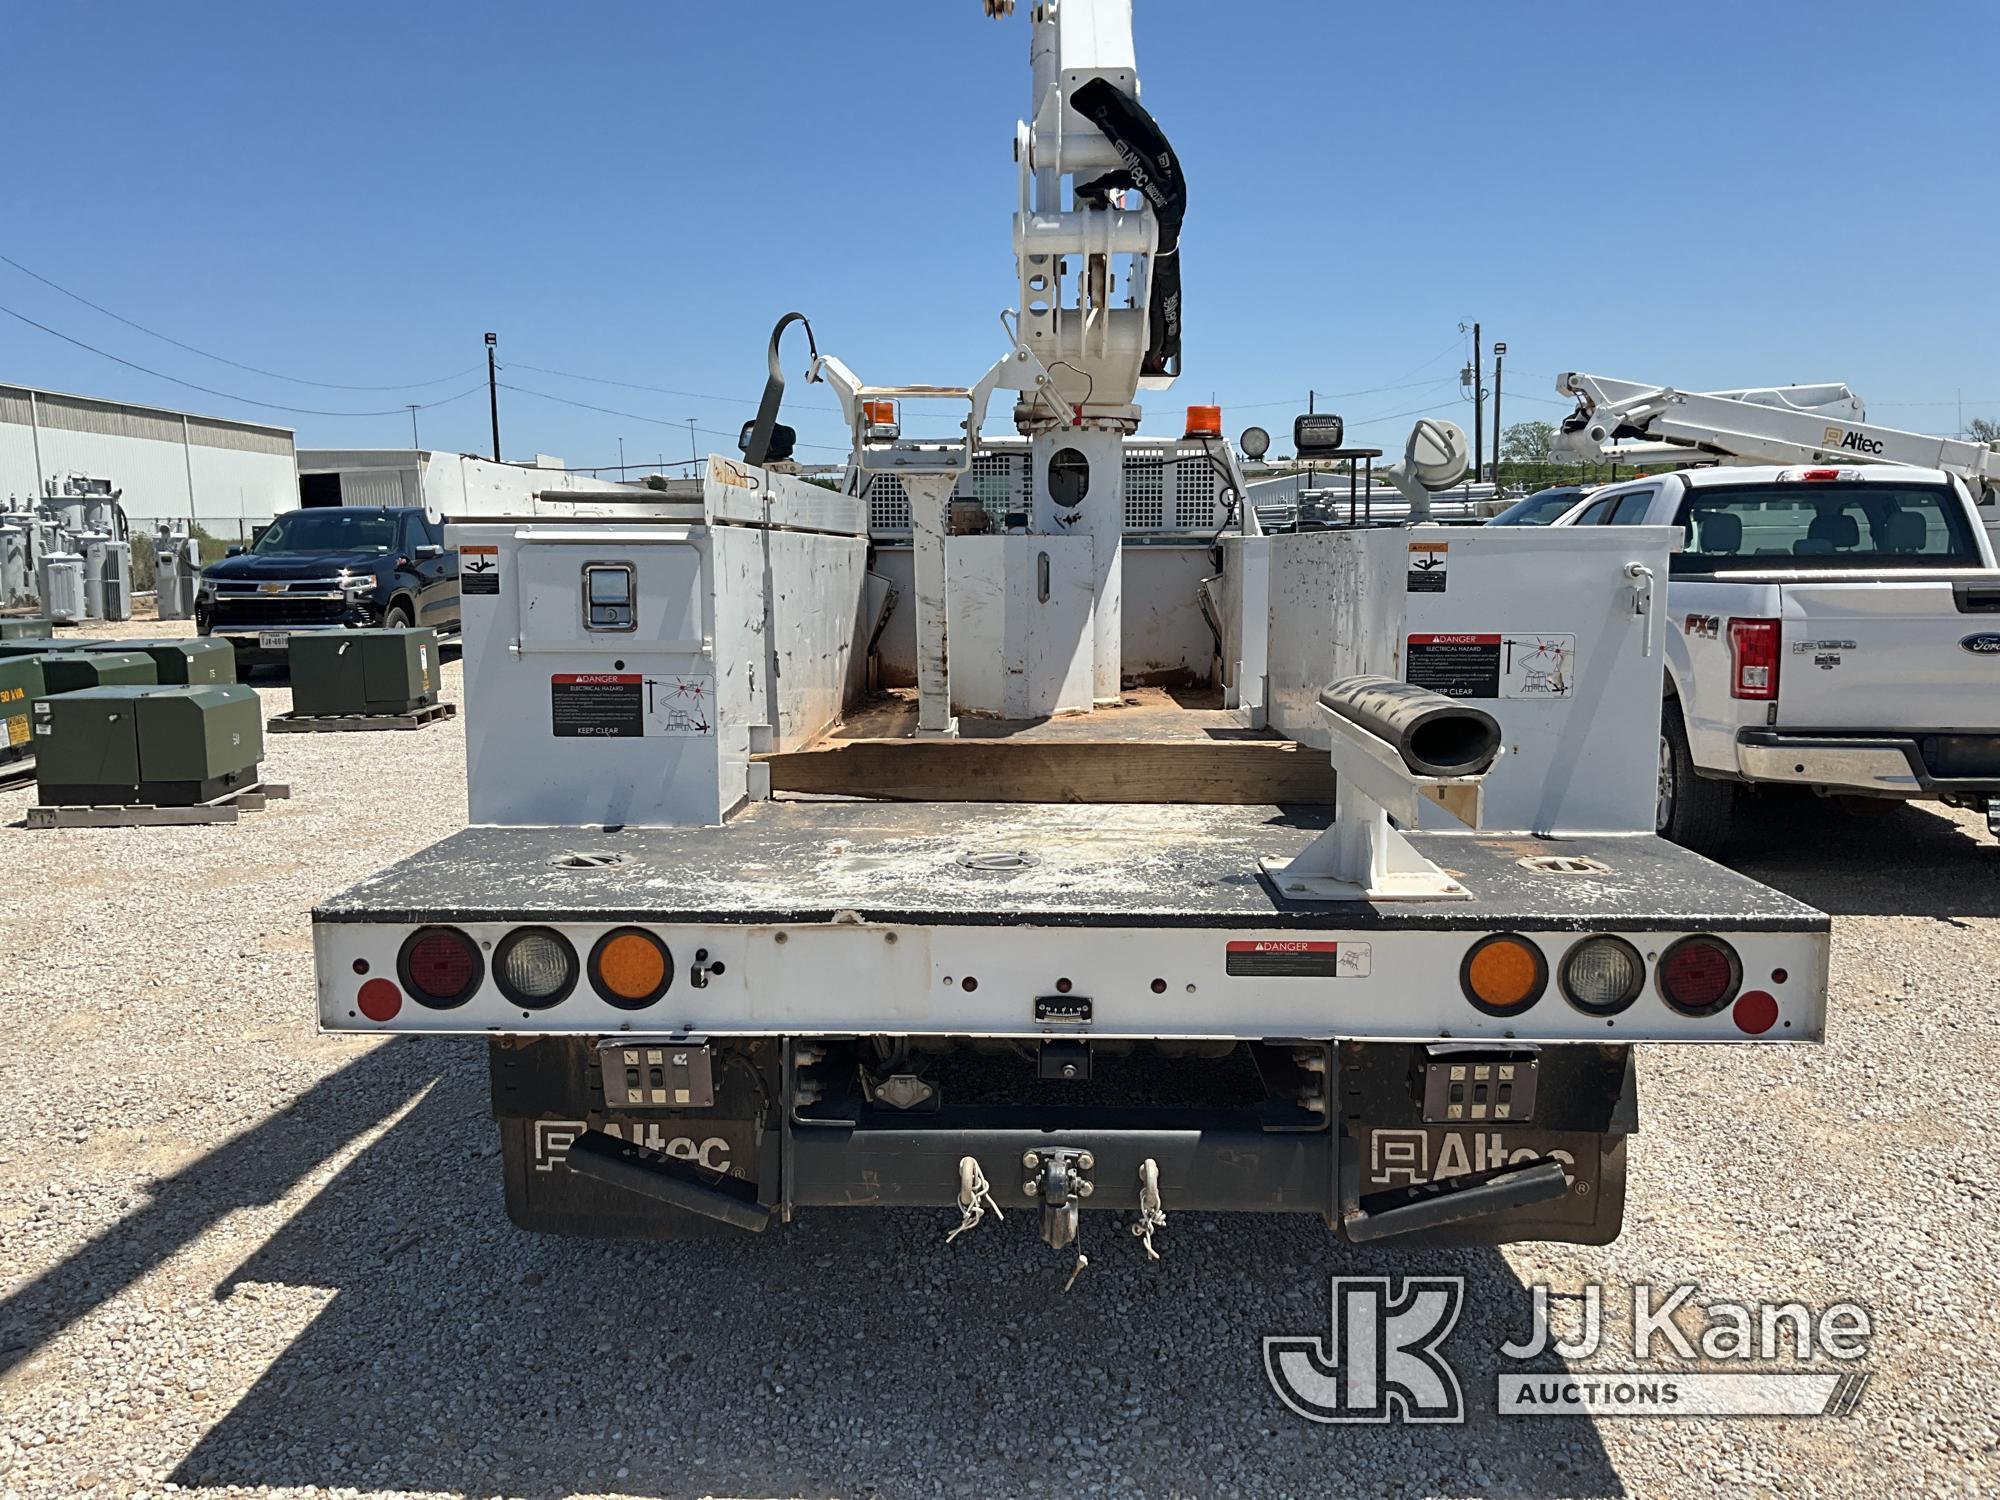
(1373, 942)
(1800, 424)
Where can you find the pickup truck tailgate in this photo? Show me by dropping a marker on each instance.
(1882, 654)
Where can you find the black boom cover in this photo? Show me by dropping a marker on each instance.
(1152, 168)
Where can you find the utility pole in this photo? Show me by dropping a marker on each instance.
(621, 460)
(493, 395)
(414, 442)
(1478, 408)
(1499, 355)
(694, 453)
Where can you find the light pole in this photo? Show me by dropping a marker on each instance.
(493, 395)
(1499, 355)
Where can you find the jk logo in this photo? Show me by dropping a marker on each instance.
(1381, 1363)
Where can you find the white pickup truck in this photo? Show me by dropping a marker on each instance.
(1836, 628)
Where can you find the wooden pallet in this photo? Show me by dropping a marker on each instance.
(353, 723)
(222, 809)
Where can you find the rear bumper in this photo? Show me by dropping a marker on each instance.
(1362, 1171)
(1866, 764)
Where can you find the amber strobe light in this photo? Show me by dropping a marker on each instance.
(630, 968)
(440, 967)
(1204, 421)
(1503, 974)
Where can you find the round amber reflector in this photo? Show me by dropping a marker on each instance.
(1503, 974)
(630, 968)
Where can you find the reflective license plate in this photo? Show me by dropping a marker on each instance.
(271, 640)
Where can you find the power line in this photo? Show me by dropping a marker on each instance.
(662, 390)
(221, 359)
(1373, 390)
(641, 417)
(297, 411)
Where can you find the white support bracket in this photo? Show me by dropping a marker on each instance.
(1361, 857)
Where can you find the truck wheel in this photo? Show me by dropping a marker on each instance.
(397, 617)
(1693, 810)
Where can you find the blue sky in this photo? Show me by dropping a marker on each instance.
(354, 193)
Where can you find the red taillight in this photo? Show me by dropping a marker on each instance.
(1817, 476)
(1753, 658)
(1698, 976)
(440, 967)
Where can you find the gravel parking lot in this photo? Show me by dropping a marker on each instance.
(237, 1257)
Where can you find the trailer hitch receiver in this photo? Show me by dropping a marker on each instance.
(1059, 1178)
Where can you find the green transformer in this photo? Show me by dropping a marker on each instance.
(73, 671)
(342, 672)
(20, 687)
(44, 645)
(31, 626)
(182, 661)
(170, 747)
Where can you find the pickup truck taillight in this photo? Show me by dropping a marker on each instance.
(1753, 658)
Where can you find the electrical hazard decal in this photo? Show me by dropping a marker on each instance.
(1429, 567)
(630, 705)
(1293, 958)
(479, 569)
(1499, 664)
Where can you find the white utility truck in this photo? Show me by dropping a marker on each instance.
(1364, 924)
(1832, 623)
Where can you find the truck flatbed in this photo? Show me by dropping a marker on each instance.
(956, 864)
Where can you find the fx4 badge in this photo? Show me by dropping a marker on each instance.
(1380, 1360)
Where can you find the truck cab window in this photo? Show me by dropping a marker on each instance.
(1824, 524)
(1631, 509)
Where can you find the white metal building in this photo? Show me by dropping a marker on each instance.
(228, 475)
(448, 484)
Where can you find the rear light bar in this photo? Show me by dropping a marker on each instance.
(1753, 658)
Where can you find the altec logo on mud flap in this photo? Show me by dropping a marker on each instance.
(1383, 1357)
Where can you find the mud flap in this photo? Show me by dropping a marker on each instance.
(1587, 1106)
(547, 1094)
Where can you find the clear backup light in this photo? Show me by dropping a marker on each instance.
(1602, 975)
(535, 967)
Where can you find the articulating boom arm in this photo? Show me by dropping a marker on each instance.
(1089, 126)
(1785, 425)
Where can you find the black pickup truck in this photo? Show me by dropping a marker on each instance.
(329, 568)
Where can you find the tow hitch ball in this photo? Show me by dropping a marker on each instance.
(1056, 1176)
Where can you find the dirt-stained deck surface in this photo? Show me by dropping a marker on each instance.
(1092, 865)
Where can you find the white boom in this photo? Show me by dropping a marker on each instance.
(1780, 425)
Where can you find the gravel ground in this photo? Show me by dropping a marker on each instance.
(241, 1258)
